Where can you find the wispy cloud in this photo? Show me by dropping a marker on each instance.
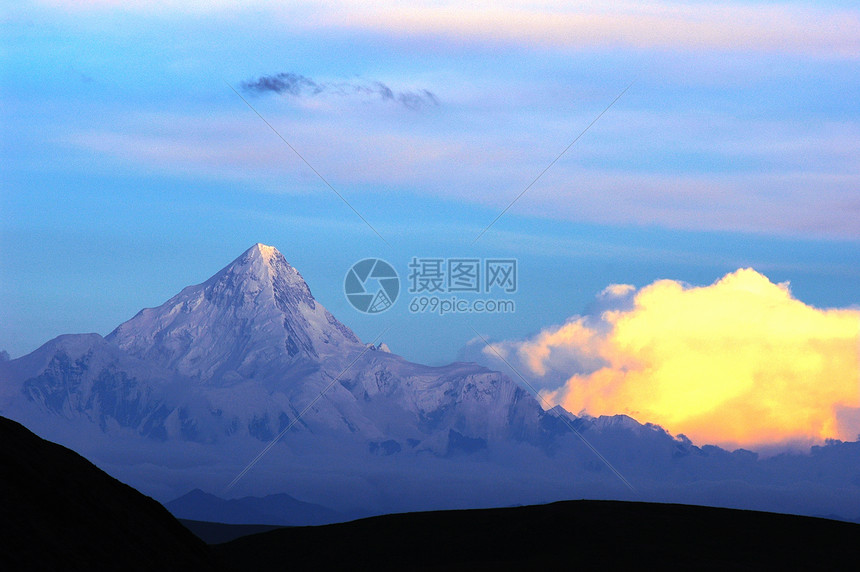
(487, 167)
(808, 28)
(296, 85)
(790, 28)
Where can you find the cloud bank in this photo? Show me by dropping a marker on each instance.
(286, 83)
(739, 363)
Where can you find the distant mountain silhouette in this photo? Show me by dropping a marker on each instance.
(605, 535)
(280, 510)
(59, 512)
(218, 533)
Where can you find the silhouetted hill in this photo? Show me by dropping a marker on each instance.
(58, 511)
(574, 534)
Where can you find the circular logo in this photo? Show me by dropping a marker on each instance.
(371, 285)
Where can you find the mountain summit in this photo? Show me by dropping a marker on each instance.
(254, 315)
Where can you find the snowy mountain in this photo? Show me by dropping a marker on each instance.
(184, 396)
(241, 354)
(254, 318)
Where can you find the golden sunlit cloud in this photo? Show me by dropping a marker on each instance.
(740, 363)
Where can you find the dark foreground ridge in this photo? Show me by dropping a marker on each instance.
(58, 511)
(570, 533)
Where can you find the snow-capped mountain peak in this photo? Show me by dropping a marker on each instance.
(265, 263)
(266, 251)
(263, 269)
(255, 314)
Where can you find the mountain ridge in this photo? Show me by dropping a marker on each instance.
(279, 509)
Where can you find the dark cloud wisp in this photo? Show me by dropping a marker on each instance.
(297, 85)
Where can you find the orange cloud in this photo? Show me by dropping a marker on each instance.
(738, 363)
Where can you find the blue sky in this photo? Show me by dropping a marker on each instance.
(131, 169)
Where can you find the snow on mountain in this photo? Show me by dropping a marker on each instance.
(244, 352)
(75, 376)
(254, 317)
